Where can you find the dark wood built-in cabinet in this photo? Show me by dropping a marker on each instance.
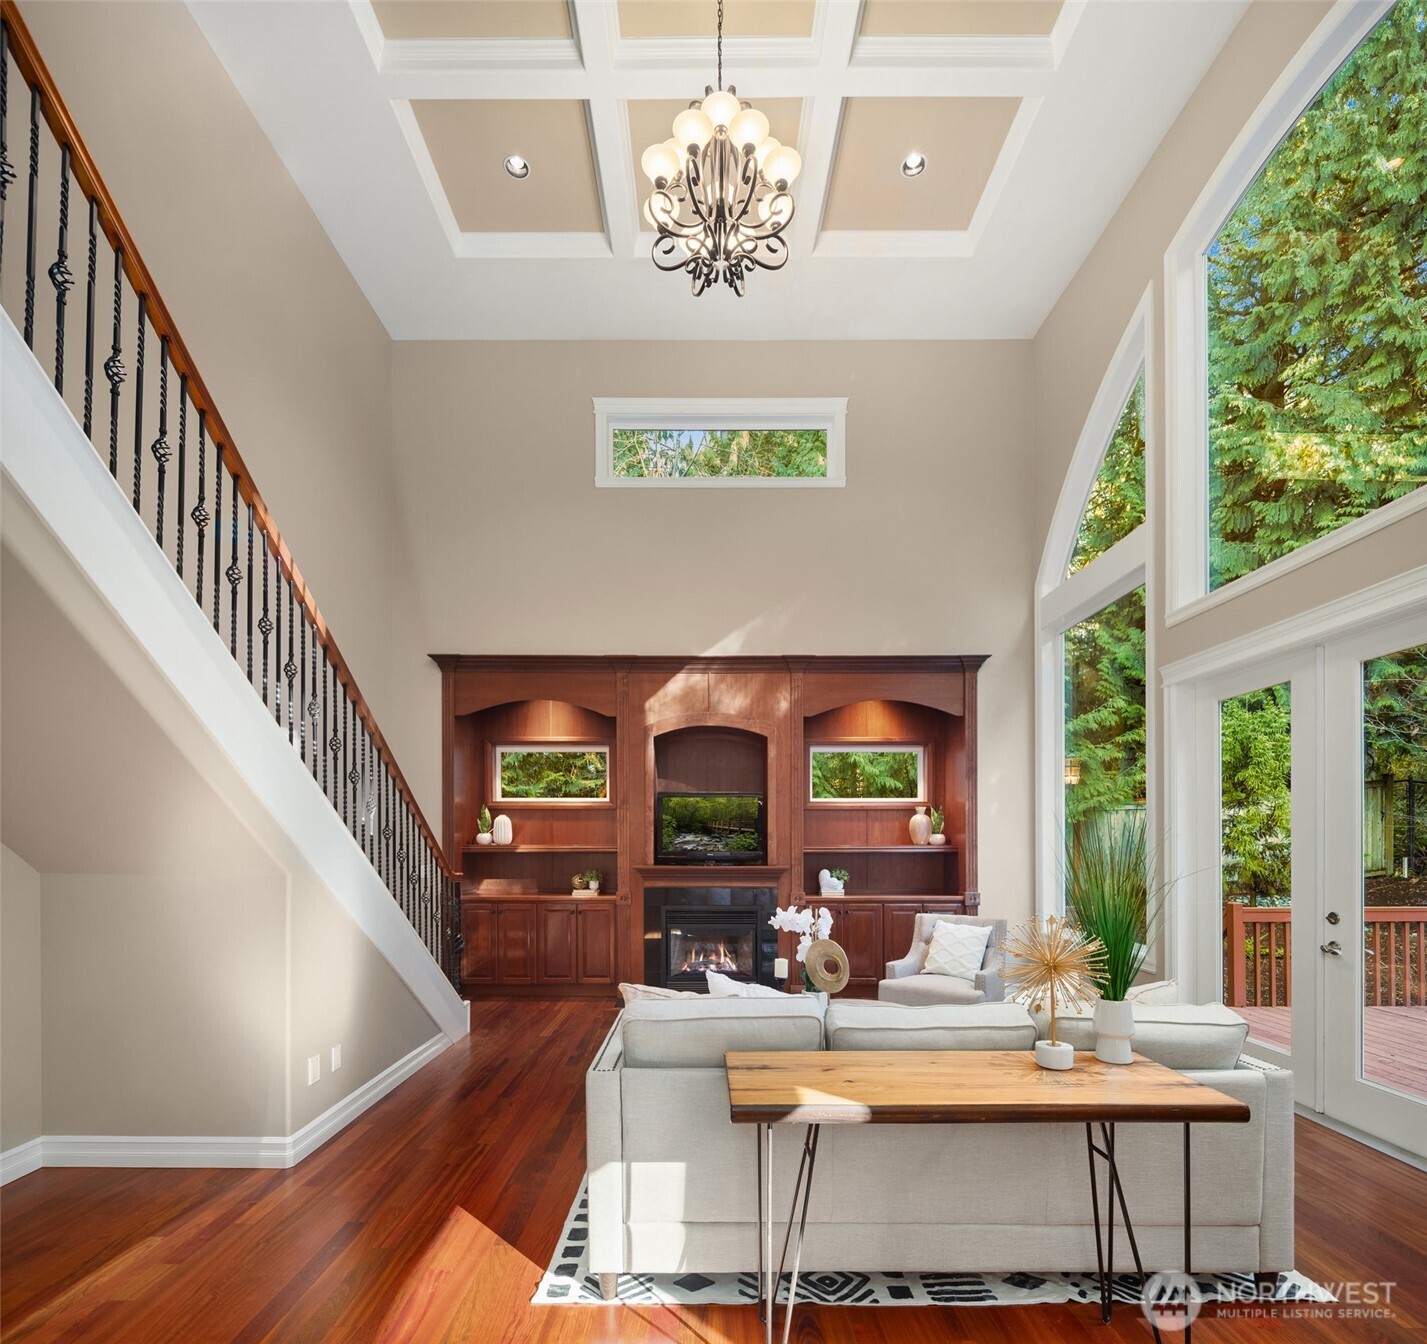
(732, 725)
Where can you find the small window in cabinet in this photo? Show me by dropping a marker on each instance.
(867, 774)
(550, 773)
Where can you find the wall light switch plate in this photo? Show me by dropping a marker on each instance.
(314, 1069)
(336, 1058)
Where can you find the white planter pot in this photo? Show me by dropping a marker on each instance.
(1114, 1029)
(484, 838)
(594, 888)
(937, 839)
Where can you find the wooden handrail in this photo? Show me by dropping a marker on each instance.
(86, 173)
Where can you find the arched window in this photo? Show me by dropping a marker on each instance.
(1309, 306)
(1117, 499)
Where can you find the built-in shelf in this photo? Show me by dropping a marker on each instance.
(879, 849)
(477, 895)
(541, 849)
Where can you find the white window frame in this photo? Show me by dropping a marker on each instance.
(700, 413)
(576, 748)
(1063, 602)
(1186, 329)
(917, 748)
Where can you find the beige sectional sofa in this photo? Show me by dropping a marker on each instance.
(672, 1182)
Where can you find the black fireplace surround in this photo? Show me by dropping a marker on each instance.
(691, 930)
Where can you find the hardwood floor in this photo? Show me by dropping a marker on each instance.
(432, 1216)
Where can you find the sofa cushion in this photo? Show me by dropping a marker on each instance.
(695, 1034)
(630, 993)
(852, 1025)
(726, 987)
(956, 949)
(923, 989)
(1177, 1035)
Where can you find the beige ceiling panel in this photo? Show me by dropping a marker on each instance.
(955, 18)
(468, 141)
(699, 18)
(960, 138)
(652, 120)
(422, 19)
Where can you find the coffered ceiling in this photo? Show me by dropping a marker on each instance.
(395, 118)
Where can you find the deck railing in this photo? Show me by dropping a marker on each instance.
(157, 429)
(1258, 955)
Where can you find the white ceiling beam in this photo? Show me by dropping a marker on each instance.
(609, 124)
(968, 51)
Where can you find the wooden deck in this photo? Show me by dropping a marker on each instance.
(1394, 1040)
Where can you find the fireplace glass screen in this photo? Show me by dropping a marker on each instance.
(694, 949)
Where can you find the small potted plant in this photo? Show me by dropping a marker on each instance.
(811, 926)
(483, 827)
(593, 877)
(938, 835)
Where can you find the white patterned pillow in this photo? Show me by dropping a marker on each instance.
(956, 949)
(633, 993)
(725, 987)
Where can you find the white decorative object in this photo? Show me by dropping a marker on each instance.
(956, 949)
(502, 831)
(921, 827)
(1054, 1055)
(828, 885)
(805, 923)
(594, 885)
(1114, 1028)
(937, 838)
(725, 987)
(484, 838)
(780, 968)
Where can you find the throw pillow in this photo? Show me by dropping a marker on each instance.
(633, 993)
(956, 949)
(725, 987)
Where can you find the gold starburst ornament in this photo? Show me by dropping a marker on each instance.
(1052, 962)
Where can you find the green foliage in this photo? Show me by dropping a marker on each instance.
(592, 876)
(1108, 896)
(1395, 715)
(702, 453)
(874, 773)
(938, 821)
(1317, 314)
(1256, 772)
(839, 875)
(484, 822)
(1117, 499)
(1105, 709)
(554, 773)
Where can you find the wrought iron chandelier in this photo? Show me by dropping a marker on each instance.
(720, 201)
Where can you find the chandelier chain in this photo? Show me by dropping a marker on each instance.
(720, 44)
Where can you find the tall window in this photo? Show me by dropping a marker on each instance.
(1317, 314)
(1117, 499)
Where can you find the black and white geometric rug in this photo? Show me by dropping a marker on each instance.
(568, 1282)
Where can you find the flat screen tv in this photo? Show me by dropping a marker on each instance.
(709, 828)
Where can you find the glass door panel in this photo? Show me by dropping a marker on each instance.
(1255, 860)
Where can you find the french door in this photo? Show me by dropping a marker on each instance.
(1304, 875)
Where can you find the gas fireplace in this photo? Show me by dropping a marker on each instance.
(691, 930)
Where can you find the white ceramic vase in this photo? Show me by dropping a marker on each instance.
(1114, 1029)
(502, 831)
(920, 827)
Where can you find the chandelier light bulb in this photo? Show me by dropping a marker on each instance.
(720, 108)
(783, 165)
(766, 148)
(692, 127)
(660, 163)
(748, 130)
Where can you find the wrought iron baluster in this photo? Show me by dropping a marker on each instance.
(179, 516)
(93, 277)
(114, 365)
(289, 668)
(160, 447)
(314, 742)
(139, 402)
(7, 169)
(32, 223)
(365, 799)
(265, 623)
(234, 575)
(346, 742)
(249, 641)
(61, 277)
(326, 742)
(200, 513)
(302, 685)
(217, 532)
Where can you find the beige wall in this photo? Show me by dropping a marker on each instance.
(20, 1063)
(928, 549)
(297, 361)
(1074, 346)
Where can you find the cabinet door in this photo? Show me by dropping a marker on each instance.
(515, 944)
(478, 958)
(898, 922)
(859, 929)
(596, 942)
(557, 944)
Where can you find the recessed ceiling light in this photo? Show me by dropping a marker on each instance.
(913, 164)
(518, 168)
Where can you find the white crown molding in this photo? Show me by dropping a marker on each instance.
(185, 1150)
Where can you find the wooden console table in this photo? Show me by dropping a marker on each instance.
(951, 1087)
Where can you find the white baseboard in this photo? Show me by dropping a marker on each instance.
(126, 1150)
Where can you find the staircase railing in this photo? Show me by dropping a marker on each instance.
(169, 451)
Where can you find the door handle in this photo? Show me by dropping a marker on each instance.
(1332, 949)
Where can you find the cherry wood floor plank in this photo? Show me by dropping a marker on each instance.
(433, 1215)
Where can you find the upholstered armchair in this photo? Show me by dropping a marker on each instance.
(907, 983)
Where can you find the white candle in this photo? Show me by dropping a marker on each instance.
(780, 968)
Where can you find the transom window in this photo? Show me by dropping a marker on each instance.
(1117, 499)
(554, 774)
(868, 774)
(1317, 314)
(722, 442)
